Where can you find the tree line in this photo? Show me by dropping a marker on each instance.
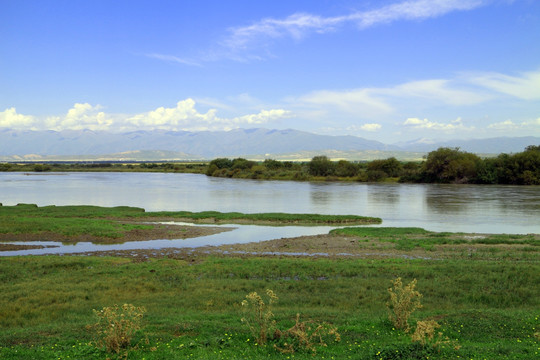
(444, 165)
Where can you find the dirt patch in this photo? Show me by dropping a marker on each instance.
(327, 245)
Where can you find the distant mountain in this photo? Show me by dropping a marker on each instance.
(203, 144)
(253, 143)
(479, 146)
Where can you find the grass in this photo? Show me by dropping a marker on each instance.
(270, 218)
(194, 308)
(417, 238)
(103, 222)
(488, 303)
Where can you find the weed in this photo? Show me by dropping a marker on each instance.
(426, 334)
(404, 300)
(304, 335)
(259, 316)
(116, 327)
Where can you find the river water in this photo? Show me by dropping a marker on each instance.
(467, 208)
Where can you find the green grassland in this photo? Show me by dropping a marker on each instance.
(491, 309)
(487, 306)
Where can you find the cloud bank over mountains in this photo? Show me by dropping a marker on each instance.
(182, 117)
(363, 111)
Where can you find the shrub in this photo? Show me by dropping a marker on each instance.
(116, 326)
(258, 315)
(304, 335)
(321, 166)
(426, 335)
(404, 300)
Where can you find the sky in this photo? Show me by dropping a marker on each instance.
(386, 70)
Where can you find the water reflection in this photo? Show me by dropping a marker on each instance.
(384, 194)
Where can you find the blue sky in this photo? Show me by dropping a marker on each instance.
(388, 70)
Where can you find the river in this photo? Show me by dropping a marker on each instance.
(466, 208)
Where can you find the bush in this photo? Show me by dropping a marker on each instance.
(404, 300)
(304, 335)
(258, 315)
(321, 166)
(116, 326)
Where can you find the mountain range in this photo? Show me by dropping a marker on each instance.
(254, 143)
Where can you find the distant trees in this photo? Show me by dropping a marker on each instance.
(444, 165)
(520, 169)
(447, 165)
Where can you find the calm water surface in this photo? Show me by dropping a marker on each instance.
(468, 208)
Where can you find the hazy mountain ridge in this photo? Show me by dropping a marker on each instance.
(177, 145)
(203, 144)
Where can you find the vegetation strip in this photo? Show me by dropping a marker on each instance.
(101, 224)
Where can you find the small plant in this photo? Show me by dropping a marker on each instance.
(259, 316)
(426, 334)
(304, 335)
(116, 326)
(404, 300)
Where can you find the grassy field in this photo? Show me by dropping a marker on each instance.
(491, 309)
(488, 306)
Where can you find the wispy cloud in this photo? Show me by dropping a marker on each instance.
(174, 59)
(300, 25)
(443, 91)
(251, 42)
(526, 86)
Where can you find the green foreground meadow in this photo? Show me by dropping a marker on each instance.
(488, 306)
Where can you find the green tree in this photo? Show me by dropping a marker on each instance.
(346, 168)
(391, 167)
(321, 166)
(450, 165)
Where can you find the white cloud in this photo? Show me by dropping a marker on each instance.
(365, 127)
(526, 86)
(263, 117)
(185, 117)
(504, 125)
(182, 117)
(81, 116)
(10, 119)
(417, 123)
(300, 25)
